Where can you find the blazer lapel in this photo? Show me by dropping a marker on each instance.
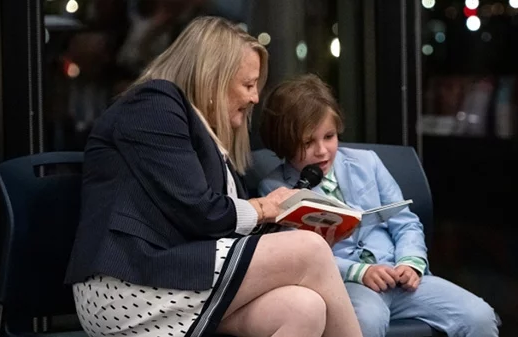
(342, 168)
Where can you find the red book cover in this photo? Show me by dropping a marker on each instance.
(331, 222)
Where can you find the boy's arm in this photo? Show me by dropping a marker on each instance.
(405, 228)
(267, 185)
(350, 270)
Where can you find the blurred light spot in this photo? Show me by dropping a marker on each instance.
(302, 50)
(469, 12)
(472, 4)
(427, 49)
(436, 26)
(73, 70)
(461, 115)
(513, 3)
(335, 47)
(47, 35)
(473, 23)
(334, 28)
(486, 37)
(440, 37)
(428, 3)
(473, 119)
(451, 12)
(72, 6)
(264, 39)
(243, 26)
(498, 9)
(485, 11)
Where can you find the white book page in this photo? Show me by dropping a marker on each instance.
(384, 207)
(305, 194)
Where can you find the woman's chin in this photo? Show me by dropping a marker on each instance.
(236, 122)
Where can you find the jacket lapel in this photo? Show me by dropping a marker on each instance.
(342, 168)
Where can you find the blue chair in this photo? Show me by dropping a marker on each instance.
(40, 212)
(404, 165)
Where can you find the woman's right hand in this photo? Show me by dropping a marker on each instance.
(269, 205)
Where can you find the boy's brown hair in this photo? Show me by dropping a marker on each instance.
(292, 110)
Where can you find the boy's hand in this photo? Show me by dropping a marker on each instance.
(380, 277)
(409, 279)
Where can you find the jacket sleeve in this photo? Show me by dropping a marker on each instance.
(405, 228)
(153, 136)
(267, 185)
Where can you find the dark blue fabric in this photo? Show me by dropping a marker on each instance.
(40, 207)
(154, 194)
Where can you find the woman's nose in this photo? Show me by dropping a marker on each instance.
(254, 99)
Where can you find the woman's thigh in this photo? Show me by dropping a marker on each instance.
(281, 259)
(296, 310)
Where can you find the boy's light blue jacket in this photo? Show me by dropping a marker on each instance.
(365, 183)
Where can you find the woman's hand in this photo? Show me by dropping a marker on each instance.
(268, 207)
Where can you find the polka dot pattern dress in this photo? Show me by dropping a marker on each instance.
(108, 306)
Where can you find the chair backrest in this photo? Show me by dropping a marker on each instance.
(401, 161)
(40, 207)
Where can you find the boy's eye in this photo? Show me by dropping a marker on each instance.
(329, 136)
(307, 143)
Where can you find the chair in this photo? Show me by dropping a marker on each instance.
(40, 212)
(405, 167)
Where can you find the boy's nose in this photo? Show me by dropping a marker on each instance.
(321, 149)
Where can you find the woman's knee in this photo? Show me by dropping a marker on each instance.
(296, 310)
(305, 308)
(308, 247)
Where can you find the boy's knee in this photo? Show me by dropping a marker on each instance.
(374, 319)
(478, 319)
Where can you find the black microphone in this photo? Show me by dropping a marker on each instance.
(310, 176)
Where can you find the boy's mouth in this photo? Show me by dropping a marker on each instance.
(323, 164)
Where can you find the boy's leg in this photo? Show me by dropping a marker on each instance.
(446, 307)
(371, 309)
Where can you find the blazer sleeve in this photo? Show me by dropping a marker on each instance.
(152, 135)
(267, 185)
(405, 228)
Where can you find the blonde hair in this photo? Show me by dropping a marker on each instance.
(202, 61)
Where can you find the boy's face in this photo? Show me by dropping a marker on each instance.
(320, 146)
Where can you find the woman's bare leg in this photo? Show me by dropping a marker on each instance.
(300, 258)
(287, 311)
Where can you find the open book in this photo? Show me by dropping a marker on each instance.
(312, 211)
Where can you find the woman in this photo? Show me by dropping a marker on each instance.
(163, 247)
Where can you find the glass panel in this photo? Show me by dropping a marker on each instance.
(470, 53)
(95, 48)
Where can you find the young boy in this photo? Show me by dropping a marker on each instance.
(385, 267)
